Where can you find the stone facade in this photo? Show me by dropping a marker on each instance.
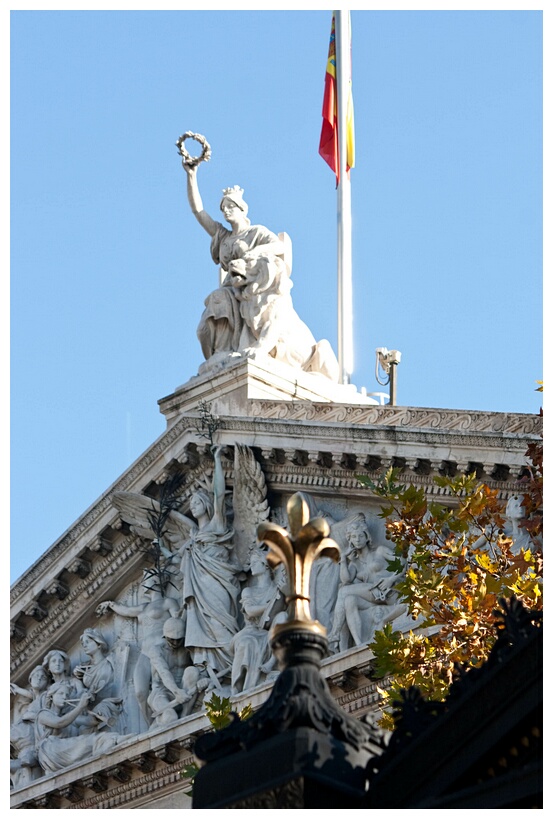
(280, 431)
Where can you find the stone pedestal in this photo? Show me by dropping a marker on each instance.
(231, 389)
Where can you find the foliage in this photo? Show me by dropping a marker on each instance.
(161, 557)
(220, 714)
(532, 500)
(454, 562)
(207, 424)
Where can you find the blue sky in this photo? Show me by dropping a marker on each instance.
(109, 268)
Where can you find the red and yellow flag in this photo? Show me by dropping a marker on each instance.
(328, 145)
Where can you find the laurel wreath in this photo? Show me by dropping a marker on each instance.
(188, 159)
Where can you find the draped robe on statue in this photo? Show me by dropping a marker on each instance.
(221, 324)
(210, 592)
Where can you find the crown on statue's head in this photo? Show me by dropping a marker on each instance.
(236, 190)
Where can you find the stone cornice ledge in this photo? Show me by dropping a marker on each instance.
(416, 418)
(331, 417)
(102, 508)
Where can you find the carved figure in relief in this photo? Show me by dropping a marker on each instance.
(151, 616)
(57, 664)
(325, 572)
(38, 683)
(261, 601)
(366, 598)
(176, 684)
(515, 514)
(251, 312)
(250, 648)
(57, 742)
(24, 766)
(210, 553)
(97, 677)
(210, 577)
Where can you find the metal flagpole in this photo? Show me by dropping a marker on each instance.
(345, 294)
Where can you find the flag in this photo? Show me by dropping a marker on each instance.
(328, 145)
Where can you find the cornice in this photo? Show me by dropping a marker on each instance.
(337, 428)
(50, 630)
(102, 506)
(418, 418)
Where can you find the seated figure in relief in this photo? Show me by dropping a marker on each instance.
(176, 683)
(366, 598)
(251, 312)
(96, 676)
(58, 743)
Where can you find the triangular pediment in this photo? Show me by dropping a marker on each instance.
(270, 446)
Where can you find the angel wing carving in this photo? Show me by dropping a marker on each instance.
(136, 510)
(249, 501)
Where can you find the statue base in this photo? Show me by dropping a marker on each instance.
(230, 388)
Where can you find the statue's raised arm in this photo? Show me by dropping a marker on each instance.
(195, 200)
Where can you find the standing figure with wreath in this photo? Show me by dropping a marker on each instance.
(251, 313)
(221, 323)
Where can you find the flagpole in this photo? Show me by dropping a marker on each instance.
(345, 290)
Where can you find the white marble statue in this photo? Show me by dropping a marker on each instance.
(97, 676)
(210, 572)
(176, 684)
(24, 767)
(210, 552)
(57, 744)
(251, 313)
(366, 599)
(262, 599)
(151, 616)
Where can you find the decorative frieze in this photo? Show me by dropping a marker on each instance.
(414, 417)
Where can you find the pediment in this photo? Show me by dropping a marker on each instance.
(276, 448)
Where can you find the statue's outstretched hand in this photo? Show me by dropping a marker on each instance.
(103, 608)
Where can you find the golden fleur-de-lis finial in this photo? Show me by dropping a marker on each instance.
(298, 549)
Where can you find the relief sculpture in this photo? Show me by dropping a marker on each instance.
(64, 717)
(366, 599)
(151, 616)
(198, 625)
(57, 744)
